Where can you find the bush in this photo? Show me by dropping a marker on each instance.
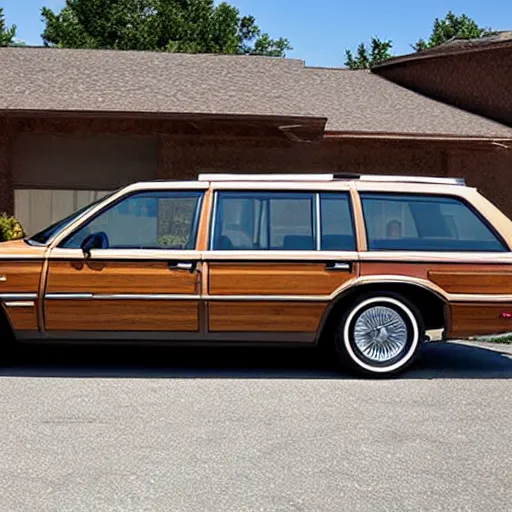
(172, 241)
(10, 228)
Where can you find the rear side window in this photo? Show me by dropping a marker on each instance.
(337, 224)
(264, 221)
(425, 223)
(283, 221)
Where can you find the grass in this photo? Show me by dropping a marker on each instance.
(495, 338)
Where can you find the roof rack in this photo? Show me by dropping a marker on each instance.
(332, 177)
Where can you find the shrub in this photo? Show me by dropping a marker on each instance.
(172, 241)
(10, 228)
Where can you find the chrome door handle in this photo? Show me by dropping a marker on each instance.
(339, 266)
(182, 265)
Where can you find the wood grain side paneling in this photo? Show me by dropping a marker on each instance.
(100, 277)
(478, 319)
(265, 316)
(23, 319)
(419, 270)
(20, 277)
(275, 279)
(452, 278)
(121, 315)
(473, 282)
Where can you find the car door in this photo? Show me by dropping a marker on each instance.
(276, 260)
(143, 281)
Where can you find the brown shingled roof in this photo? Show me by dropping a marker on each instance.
(453, 47)
(44, 79)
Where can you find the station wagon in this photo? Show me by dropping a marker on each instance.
(372, 266)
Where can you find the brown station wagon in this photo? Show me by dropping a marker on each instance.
(370, 265)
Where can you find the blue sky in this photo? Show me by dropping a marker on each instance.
(320, 30)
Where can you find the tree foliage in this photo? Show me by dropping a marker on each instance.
(365, 57)
(450, 27)
(191, 26)
(7, 34)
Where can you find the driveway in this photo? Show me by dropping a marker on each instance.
(167, 430)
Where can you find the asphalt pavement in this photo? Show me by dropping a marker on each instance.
(227, 430)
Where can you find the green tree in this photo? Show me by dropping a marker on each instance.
(452, 26)
(188, 26)
(365, 57)
(7, 35)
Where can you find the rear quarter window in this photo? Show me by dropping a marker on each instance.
(426, 223)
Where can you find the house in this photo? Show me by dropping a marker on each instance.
(75, 124)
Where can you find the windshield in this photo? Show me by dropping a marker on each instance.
(47, 234)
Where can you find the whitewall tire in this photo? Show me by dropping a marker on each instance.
(380, 334)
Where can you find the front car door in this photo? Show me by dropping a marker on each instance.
(145, 279)
(276, 260)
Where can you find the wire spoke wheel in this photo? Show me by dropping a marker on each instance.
(380, 334)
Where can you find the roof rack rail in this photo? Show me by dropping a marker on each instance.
(332, 177)
(413, 179)
(265, 177)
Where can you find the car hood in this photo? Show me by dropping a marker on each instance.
(20, 249)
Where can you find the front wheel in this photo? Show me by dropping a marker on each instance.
(380, 335)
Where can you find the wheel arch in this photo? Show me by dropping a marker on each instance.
(432, 304)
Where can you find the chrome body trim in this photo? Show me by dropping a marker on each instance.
(340, 266)
(18, 296)
(351, 284)
(120, 296)
(20, 304)
(267, 298)
(145, 337)
(68, 296)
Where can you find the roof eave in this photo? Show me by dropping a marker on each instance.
(497, 142)
(435, 53)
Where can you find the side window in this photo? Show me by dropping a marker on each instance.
(148, 220)
(337, 224)
(264, 221)
(425, 223)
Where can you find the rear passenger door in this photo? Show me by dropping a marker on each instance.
(275, 260)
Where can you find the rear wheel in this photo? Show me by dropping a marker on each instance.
(380, 334)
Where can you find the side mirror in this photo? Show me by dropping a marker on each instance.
(94, 241)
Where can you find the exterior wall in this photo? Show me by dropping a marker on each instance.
(93, 162)
(487, 168)
(490, 172)
(56, 174)
(480, 82)
(188, 158)
(60, 164)
(6, 195)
